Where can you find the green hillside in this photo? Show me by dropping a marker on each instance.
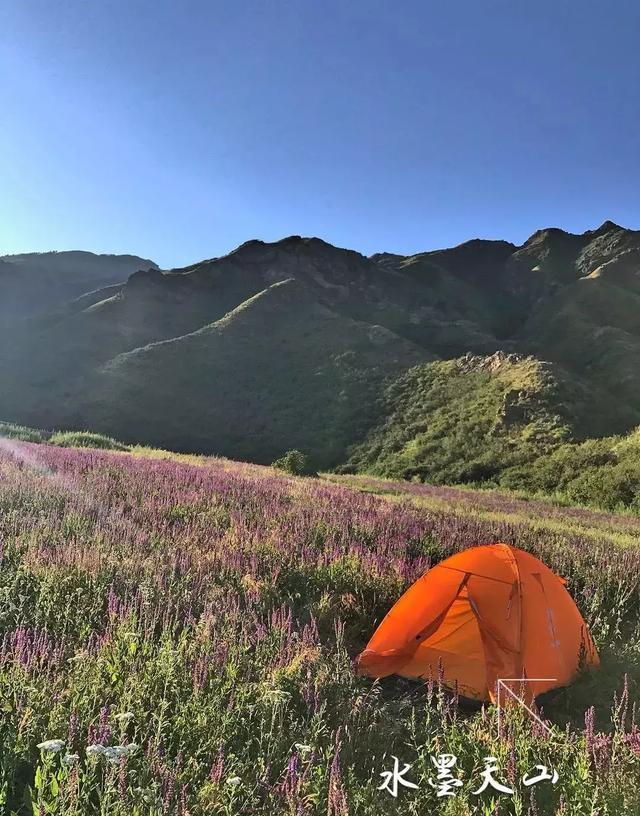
(278, 372)
(471, 418)
(503, 420)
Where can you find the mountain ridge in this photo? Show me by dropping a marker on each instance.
(318, 331)
(32, 282)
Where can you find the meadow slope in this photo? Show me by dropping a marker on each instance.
(187, 627)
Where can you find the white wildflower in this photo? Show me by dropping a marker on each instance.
(53, 745)
(116, 752)
(303, 749)
(125, 717)
(70, 759)
(234, 781)
(95, 750)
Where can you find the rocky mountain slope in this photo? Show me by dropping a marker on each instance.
(455, 364)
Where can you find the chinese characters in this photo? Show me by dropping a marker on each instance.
(447, 781)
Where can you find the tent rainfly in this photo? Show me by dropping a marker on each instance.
(487, 613)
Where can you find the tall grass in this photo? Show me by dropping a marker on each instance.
(187, 632)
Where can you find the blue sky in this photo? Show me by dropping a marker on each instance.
(178, 130)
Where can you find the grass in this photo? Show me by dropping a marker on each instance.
(207, 612)
(85, 439)
(12, 431)
(543, 514)
(63, 439)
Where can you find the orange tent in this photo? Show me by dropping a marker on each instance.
(486, 613)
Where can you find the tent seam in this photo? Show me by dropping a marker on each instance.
(519, 584)
(475, 574)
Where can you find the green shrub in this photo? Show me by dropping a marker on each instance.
(293, 462)
(607, 487)
(603, 473)
(85, 439)
(22, 433)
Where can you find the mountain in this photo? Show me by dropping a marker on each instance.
(279, 371)
(456, 364)
(591, 324)
(39, 281)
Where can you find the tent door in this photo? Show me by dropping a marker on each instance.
(454, 652)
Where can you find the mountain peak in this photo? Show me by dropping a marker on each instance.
(547, 233)
(555, 232)
(607, 226)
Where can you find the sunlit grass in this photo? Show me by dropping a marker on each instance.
(620, 528)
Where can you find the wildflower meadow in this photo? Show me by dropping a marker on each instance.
(177, 637)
